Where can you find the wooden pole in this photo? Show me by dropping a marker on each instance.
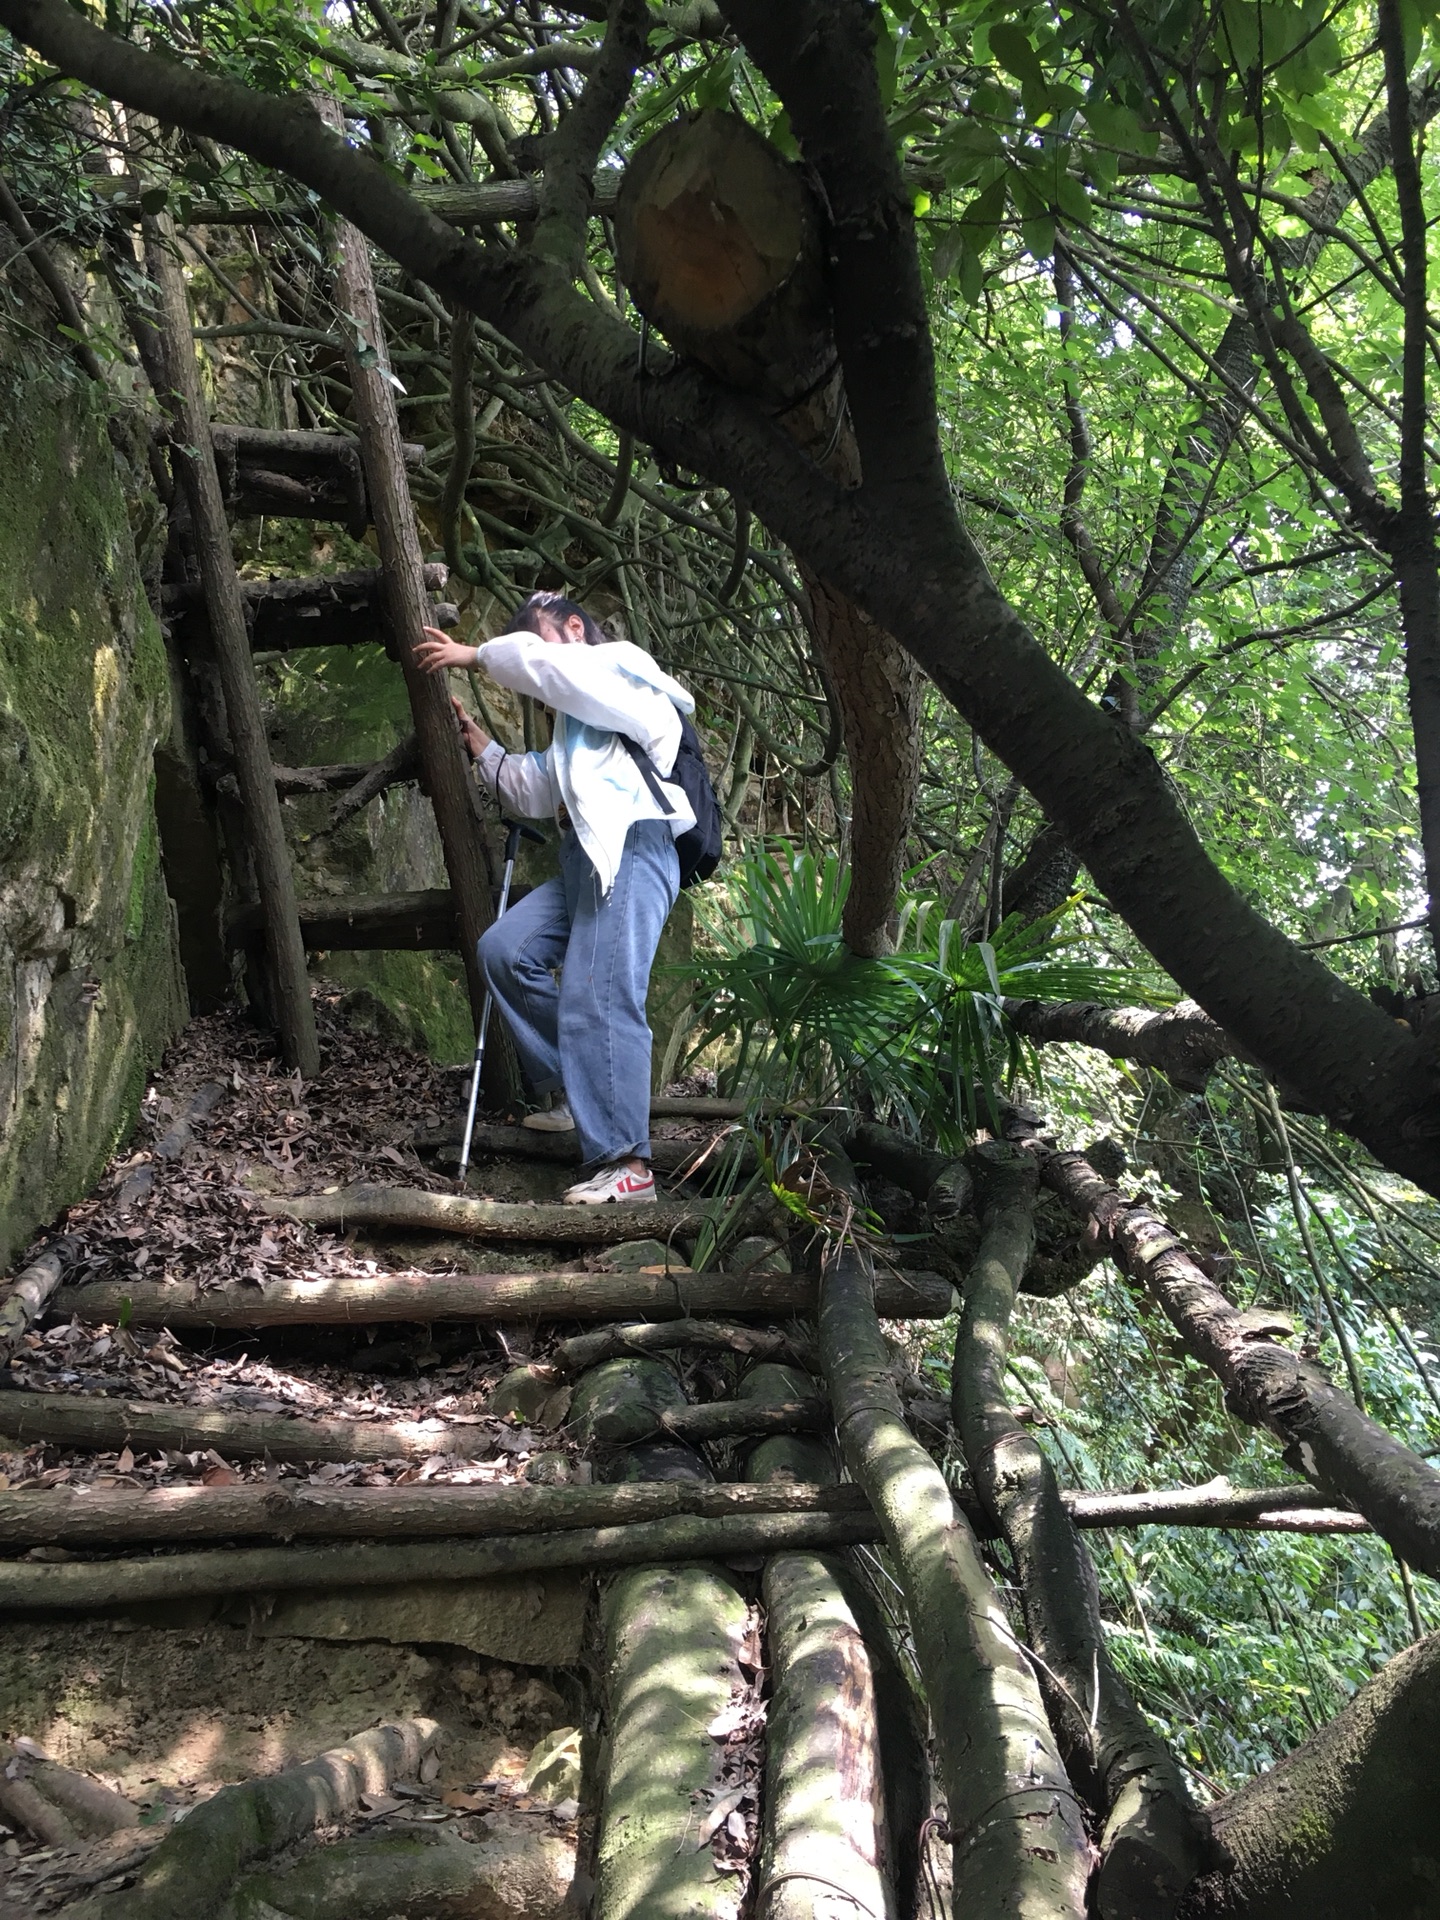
(193, 453)
(442, 759)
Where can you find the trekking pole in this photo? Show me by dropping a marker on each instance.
(513, 835)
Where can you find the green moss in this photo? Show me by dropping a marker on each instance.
(424, 998)
(89, 983)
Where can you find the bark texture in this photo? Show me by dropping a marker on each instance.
(115, 1517)
(672, 1638)
(482, 1298)
(1019, 1840)
(81, 1587)
(1183, 1042)
(29, 1293)
(198, 1861)
(1323, 1432)
(376, 1206)
(1154, 1841)
(104, 1425)
(193, 455)
(824, 1850)
(1344, 1828)
(447, 779)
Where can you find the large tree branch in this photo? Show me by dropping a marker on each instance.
(916, 572)
(819, 56)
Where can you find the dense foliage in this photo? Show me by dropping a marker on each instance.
(1194, 526)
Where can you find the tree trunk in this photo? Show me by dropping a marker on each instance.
(721, 242)
(672, 1637)
(1154, 1841)
(1019, 1841)
(447, 778)
(1344, 1828)
(481, 1299)
(194, 458)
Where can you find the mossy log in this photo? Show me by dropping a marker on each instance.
(824, 1854)
(1347, 1827)
(481, 1298)
(195, 1866)
(584, 1350)
(1154, 1840)
(1020, 1847)
(83, 1586)
(126, 1516)
(824, 1840)
(412, 1207)
(105, 1426)
(412, 1872)
(672, 1638)
(1323, 1432)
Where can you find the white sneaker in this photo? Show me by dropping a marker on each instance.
(558, 1119)
(619, 1183)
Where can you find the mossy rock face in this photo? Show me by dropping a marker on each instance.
(90, 984)
(624, 1400)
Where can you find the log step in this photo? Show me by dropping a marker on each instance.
(83, 1587)
(412, 1208)
(120, 1516)
(481, 1299)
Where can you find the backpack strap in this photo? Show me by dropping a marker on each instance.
(647, 773)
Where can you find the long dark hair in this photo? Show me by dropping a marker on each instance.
(555, 610)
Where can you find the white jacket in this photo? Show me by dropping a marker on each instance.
(596, 693)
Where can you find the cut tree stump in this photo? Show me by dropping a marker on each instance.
(482, 1298)
(121, 1516)
(79, 1586)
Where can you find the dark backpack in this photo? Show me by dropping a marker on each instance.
(700, 846)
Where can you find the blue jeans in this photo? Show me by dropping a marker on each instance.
(587, 1032)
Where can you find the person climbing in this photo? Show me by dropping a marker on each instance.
(584, 1039)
